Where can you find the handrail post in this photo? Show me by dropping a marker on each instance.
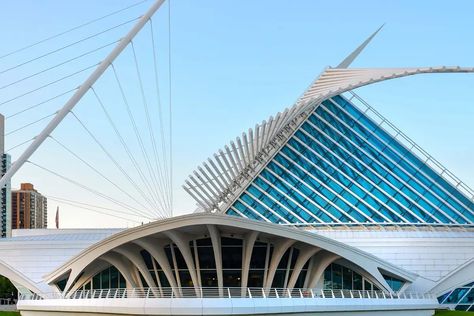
(322, 293)
(276, 293)
(289, 293)
(263, 292)
(250, 293)
(228, 293)
(312, 293)
(332, 294)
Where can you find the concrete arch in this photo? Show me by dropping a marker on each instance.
(305, 254)
(22, 283)
(132, 254)
(281, 246)
(461, 276)
(182, 231)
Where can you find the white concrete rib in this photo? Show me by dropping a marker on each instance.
(231, 164)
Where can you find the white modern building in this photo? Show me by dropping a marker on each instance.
(324, 208)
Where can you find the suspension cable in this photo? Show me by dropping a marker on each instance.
(70, 30)
(160, 115)
(40, 103)
(66, 46)
(134, 162)
(135, 128)
(170, 108)
(161, 184)
(20, 144)
(48, 84)
(61, 199)
(58, 65)
(29, 124)
(93, 210)
(117, 165)
(98, 172)
(95, 192)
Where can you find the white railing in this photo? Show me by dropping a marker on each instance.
(227, 292)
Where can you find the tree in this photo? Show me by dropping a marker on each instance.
(7, 288)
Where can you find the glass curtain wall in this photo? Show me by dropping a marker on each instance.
(341, 167)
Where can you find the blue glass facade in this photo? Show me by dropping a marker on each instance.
(462, 298)
(341, 167)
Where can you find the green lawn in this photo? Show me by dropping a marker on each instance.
(9, 314)
(453, 313)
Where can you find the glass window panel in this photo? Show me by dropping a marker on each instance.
(232, 257)
(185, 278)
(206, 257)
(279, 279)
(256, 278)
(232, 278)
(284, 260)
(147, 258)
(209, 278)
(346, 278)
(180, 262)
(456, 296)
(328, 278)
(469, 298)
(259, 254)
(163, 279)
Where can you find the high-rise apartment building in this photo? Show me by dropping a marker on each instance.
(29, 208)
(5, 198)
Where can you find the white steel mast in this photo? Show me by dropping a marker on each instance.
(77, 96)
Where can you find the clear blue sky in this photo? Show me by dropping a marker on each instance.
(235, 63)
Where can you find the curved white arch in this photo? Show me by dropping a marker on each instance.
(199, 223)
(461, 276)
(18, 278)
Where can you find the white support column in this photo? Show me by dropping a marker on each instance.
(247, 249)
(279, 249)
(217, 248)
(77, 96)
(156, 250)
(89, 272)
(132, 254)
(304, 255)
(322, 260)
(182, 242)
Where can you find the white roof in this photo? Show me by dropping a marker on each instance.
(35, 253)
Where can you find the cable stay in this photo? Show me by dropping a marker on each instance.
(66, 46)
(31, 107)
(97, 172)
(127, 91)
(95, 192)
(58, 65)
(137, 134)
(48, 84)
(151, 133)
(134, 162)
(30, 124)
(114, 161)
(94, 210)
(71, 29)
